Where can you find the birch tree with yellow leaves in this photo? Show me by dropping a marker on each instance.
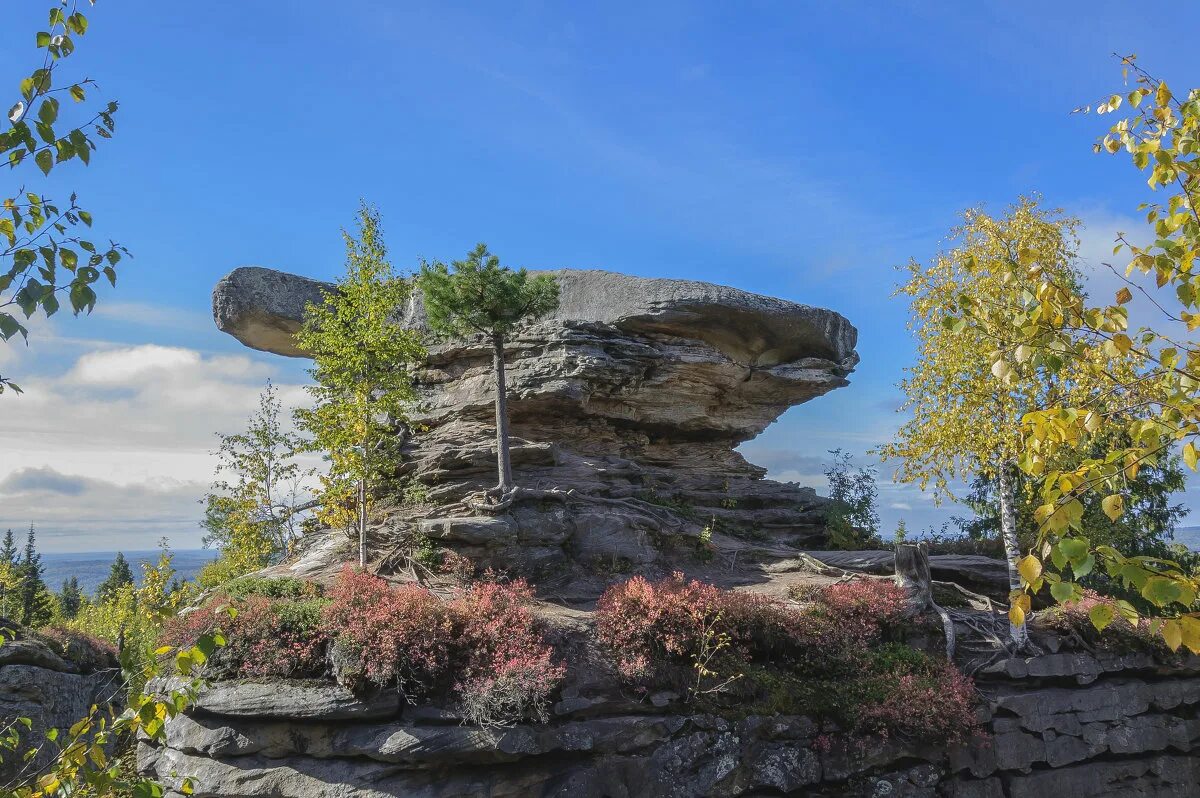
(966, 403)
(1148, 379)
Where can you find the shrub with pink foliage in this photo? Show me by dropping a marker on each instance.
(266, 637)
(508, 670)
(935, 704)
(826, 659)
(387, 636)
(85, 651)
(485, 647)
(873, 602)
(651, 625)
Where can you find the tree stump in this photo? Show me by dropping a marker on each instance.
(912, 574)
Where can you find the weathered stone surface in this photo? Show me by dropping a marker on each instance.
(630, 399)
(32, 652)
(1168, 776)
(51, 699)
(306, 700)
(1129, 733)
(984, 575)
(263, 309)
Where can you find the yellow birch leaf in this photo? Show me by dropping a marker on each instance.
(1101, 616)
(1190, 627)
(1030, 568)
(1113, 506)
(1172, 634)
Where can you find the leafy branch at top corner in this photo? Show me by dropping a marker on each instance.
(45, 254)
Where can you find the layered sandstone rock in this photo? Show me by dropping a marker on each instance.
(53, 691)
(633, 396)
(1064, 724)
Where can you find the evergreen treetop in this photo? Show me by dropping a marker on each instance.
(119, 575)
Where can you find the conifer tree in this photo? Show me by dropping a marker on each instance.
(36, 603)
(479, 296)
(9, 577)
(71, 598)
(119, 575)
(8, 551)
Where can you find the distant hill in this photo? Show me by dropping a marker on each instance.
(91, 567)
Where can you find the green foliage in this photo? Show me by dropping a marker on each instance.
(479, 296)
(70, 598)
(853, 520)
(131, 617)
(362, 367)
(1145, 529)
(255, 511)
(81, 764)
(283, 587)
(44, 254)
(120, 575)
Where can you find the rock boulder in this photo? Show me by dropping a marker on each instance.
(632, 396)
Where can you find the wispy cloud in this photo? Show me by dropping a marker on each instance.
(146, 315)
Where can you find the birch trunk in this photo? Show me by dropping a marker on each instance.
(362, 523)
(1012, 549)
(503, 461)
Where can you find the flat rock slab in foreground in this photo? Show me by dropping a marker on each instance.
(1089, 726)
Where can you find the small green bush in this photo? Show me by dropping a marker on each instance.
(283, 587)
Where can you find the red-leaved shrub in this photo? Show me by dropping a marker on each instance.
(826, 658)
(266, 637)
(387, 636)
(508, 670)
(485, 646)
(652, 625)
(87, 652)
(647, 625)
(935, 705)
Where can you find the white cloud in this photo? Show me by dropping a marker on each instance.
(123, 366)
(114, 449)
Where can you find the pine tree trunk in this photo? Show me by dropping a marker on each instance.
(503, 461)
(1012, 548)
(362, 523)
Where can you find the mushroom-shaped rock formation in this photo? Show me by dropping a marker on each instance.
(633, 396)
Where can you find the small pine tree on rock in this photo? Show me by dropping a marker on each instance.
(479, 296)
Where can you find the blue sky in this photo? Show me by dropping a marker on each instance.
(796, 149)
